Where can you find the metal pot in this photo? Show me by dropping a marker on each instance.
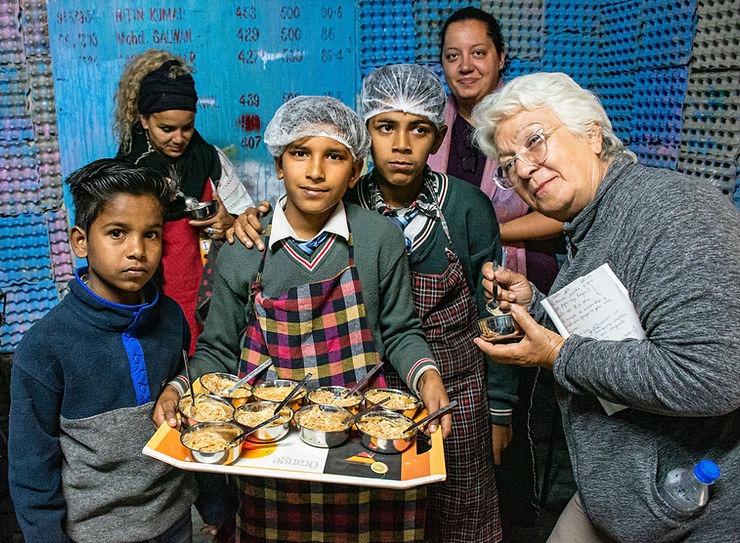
(324, 438)
(204, 210)
(225, 430)
(382, 444)
(268, 434)
(409, 405)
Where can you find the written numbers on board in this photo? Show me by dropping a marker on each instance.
(249, 58)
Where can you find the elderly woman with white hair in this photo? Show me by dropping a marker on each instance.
(674, 243)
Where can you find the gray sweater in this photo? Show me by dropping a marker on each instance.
(675, 244)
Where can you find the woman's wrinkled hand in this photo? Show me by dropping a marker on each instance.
(539, 347)
(247, 227)
(513, 287)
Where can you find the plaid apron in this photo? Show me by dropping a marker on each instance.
(319, 327)
(464, 508)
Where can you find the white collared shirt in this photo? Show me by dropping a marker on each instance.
(281, 228)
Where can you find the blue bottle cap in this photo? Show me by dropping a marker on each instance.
(706, 471)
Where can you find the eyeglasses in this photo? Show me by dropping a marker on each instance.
(534, 154)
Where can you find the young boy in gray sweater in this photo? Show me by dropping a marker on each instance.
(85, 377)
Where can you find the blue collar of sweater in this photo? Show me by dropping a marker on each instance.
(112, 316)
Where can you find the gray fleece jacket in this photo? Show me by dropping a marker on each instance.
(674, 242)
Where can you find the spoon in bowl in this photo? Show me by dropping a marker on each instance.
(249, 431)
(492, 304)
(292, 393)
(241, 382)
(187, 374)
(362, 382)
(353, 418)
(441, 411)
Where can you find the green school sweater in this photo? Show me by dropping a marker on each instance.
(386, 288)
(474, 230)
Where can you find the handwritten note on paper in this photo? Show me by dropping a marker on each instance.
(596, 305)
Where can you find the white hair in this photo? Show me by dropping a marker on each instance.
(577, 108)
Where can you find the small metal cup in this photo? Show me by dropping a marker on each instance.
(499, 329)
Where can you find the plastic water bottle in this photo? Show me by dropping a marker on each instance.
(688, 489)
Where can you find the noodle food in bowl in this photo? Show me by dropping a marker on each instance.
(323, 425)
(208, 442)
(334, 395)
(400, 401)
(253, 414)
(216, 383)
(385, 431)
(277, 390)
(208, 408)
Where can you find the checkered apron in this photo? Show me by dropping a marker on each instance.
(320, 327)
(464, 508)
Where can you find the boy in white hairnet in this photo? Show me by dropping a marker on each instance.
(450, 230)
(341, 273)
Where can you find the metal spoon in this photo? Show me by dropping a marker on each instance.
(449, 407)
(256, 371)
(187, 373)
(292, 393)
(365, 380)
(353, 418)
(190, 201)
(492, 304)
(241, 436)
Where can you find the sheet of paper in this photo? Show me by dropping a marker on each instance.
(596, 305)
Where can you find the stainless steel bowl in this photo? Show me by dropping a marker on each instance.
(225, 430)
(381, 444)
(203, 210)
(260, 392)
(216, 382)
(221, 404)
(317, 437)
(336, 396)
(411, 404)
(267, 434)
(499, 329)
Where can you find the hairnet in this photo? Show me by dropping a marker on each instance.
(316, 116)
(404, 87)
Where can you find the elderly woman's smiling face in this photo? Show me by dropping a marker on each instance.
(570, 170)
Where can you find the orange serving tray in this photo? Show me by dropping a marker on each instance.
(291, 458)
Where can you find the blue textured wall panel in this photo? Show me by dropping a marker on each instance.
(24, 305)
(24, 244)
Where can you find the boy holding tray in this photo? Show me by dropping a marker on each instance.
(330, 295)
(85, 376)
(450, 230)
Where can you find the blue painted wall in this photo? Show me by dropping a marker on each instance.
(249, 57)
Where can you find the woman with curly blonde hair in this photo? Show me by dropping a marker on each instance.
(155, 126)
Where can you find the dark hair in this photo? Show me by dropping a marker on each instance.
(94, 186)
(493, 29)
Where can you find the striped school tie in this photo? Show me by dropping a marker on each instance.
(309, 246)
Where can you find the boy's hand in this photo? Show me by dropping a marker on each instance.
(433, 394)
(248, 228)
(165, 410)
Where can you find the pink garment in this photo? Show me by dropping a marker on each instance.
(507, 203)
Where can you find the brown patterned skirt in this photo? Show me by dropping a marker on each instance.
(283, 510)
